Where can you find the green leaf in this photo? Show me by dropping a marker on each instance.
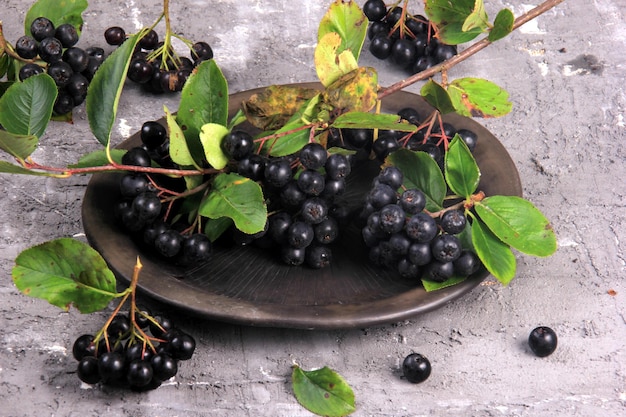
(437, 96)
(477, 19)
(323, 392)
(434, 286)
(502, 26)
(64, 272)
(453, 33)
(105, 89)
(366, 120)
(421, 172)
(329, 64)
(346, 19)
(518, 223)
(448, 11)
(461, 170)
(179, 151)
(493, 253)
(19, 146)
(59, 12)
(211, 136)
(26, 107)
(5, 62)
(214, 228)
(295, 133)
(10, 168)
(238, 198)
(204, 99)
(476, 97)
(237, 119)
(99, 158)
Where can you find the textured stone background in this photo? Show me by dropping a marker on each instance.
(565, 72)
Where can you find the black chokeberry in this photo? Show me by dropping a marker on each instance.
(196, 248)
(115, 35)
(542, 341)
(453, 221)
(313, 156)
(392, 176)
(412, 201)
(164, 366)
(136, 156)
(168, 243)
(26, 47)
(466, 264)
(77, 88)
(314, 210)
(50, 50)
(416, 368)
(87, 370)
(277, 172)
(318, 256)
(153, 134)
(111, 366)
(67, 34)
(421, 228)
(77, 58)
(392, 218)
(61, 72)
(63, 104)
(381, 46)
(446, 248)
(140, 70)
(29, 70)
(337, 166)
(147, 206)
(149, 41)
(311, 182)
(292, 256)
(375, 10)
(83, 346)
(181, 346)
(438, 271)
(201, 51)
(237, 144)
(300, 234)
(42, 28)
(470, 138)
(139, 373)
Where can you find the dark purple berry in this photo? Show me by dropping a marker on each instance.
(87, 370)
(413, 201)
(26, 47)
(542, 341)
(153, 134)
(318, 256)
(67, 34)
(416, 368)
(115, 35)
(453, 221)
(237, 144)
(42, 28)
(29, 70)
(313, 156)
(50, 50)
(201, 51)
(446, 248)
(466, 264)
(375, 10)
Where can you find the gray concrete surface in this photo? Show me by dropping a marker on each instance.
(566, 75)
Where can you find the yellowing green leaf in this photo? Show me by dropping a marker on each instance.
(355, 91)
(348, 20)
(211, 136)
(476, 97)
(329, 64)
(275, 105)
(477, 19)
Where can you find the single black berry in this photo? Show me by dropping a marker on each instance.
(140, 70)
(115, 35)
(42, 28)
(253, 167)
(416, 368)
(201, 51)
(87, 370)
(50, 50)
(149, 41)
(77, 58)
(313, 156)
(83, 346)
(466, 264)
(446, 248)
(300, 234)
(278, 172)
(181, 346)
(318, 256)
(61, 72)
(153, 134)
(67, 34)
(542, 341)
(421, 228)
(381, 46)
(196, 248)
(412, 201)
(374, 10)
(237, 144)
(163, 366)
(453, 221)
(139, 373)
(311, 182)
(169, 243)
(147, 206)
(111, 366)
(29, 70)
(314, 210)
(26, 47)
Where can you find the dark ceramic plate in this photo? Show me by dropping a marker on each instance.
(248, 286)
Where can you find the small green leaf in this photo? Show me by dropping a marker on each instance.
(502, 26)
(179, 151)
(518, 223)
(493, 253)
(19, 146)
(99, 158)
(103, 94)
(476, 97)
(238, 198)
(26, 107)
(421, 172)
(237, 119)
(329, 64)
(323, 392)
(10, 168)
(204, 99)
(453, 33)
(214, 228)
(477, 19)
(461, 170)
(448, 11)
(211, 136)
(64, 272)
(366, 120)
(347, 20)
(59, 12)
(434, 286)
(288, 143)
(5, 62)
(437, 96)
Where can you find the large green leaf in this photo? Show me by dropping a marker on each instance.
(211, 137)
(238, 198)
(323, 392)
(437, 96)
(19, 146)
(421, 172)
(204, 99)
(518, 223)
(493, 253)
(65, 272)
(26, 107)
(366, 120)
(105, 89)
(476, 97)
(502, 25)
(329, 64)
(58, 11)
(461, 169)
(348, 20)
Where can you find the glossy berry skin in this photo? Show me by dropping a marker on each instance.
(83, 346)
(410, 115)
(165, 325)
(438, 271)
(196, 248)
(327, 231)
(87, 370)
(237, 144)
(313, 156)
(63, 104)
(314, 210)
(470, 138)
(169, 243)
(26, 47)
(42, 28)
(381, 195)
(292, 256)
(420, 254)
(446, 248)
(466, 264)
(291, 196)
(403, 53)
(407, 269)
(421, 228)
(163, 366)
(137, 156)
(358, 138)
(278, 172)
(153, 134)
(67, 34)
(416, 368)
(50, 50)
(453, 221)
(115, 35)
(374, 10)
(29, 70)
(542, 341)
(311, 182)
(61, 72)
(253, 167)
(147, 206)
(77, 58)
(140, 71)
(201, 51)
(384, 145)
(77, 88)
(139, 373)
(181, 346)
(300, 234)
(318, 256)
(381, 46)
(392, 218)
(149, 40)
(392, 176)
(111, 366)
(131, 185)
(412, 201)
